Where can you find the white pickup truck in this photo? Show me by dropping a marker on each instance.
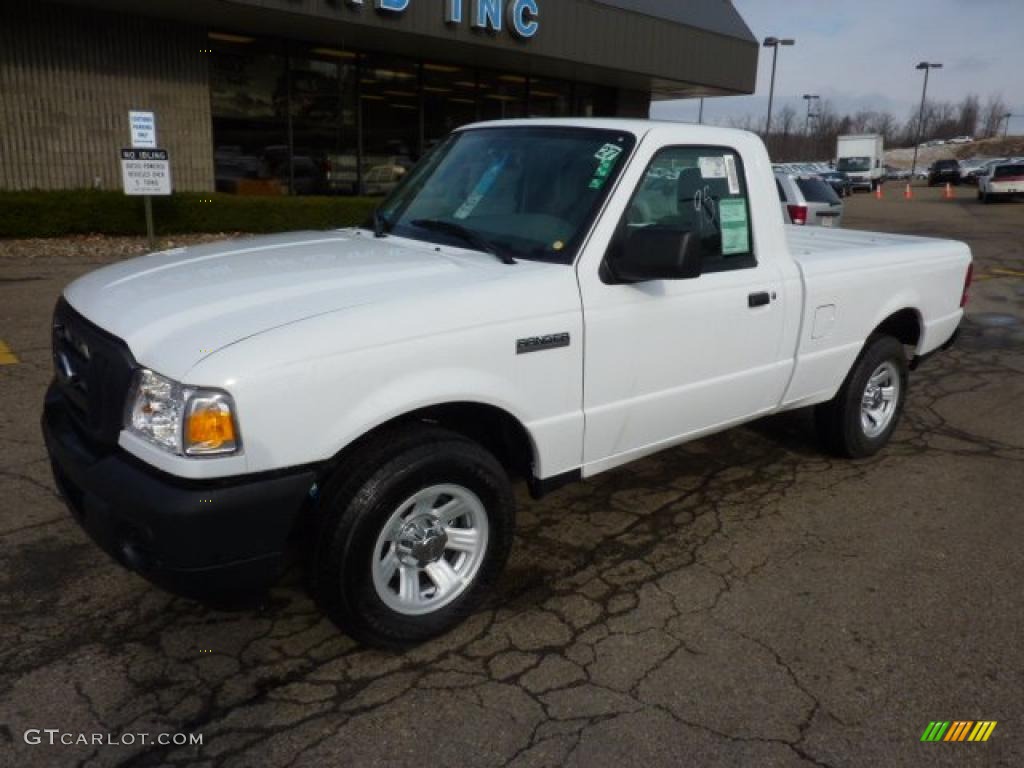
(542, 300)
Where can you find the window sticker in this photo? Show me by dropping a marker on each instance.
(732, 175)
(482, 188)
(607, 155)
(735, 230)
(712, 167)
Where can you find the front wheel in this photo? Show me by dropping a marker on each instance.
(413, 537)
(861, 418)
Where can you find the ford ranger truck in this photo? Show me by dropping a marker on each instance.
(537, 300)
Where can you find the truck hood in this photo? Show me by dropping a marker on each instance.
(177, 307)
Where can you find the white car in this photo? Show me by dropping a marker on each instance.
(1001, 181)
(961, 140)
(537, 299)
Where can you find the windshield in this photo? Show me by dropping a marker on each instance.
(817, 191)
(1008, 171)
(847, 164)
(528, 192)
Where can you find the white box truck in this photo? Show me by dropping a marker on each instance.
(862, 158)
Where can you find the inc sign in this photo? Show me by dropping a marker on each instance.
(521, 17)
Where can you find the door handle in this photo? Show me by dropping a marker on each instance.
(759, 299)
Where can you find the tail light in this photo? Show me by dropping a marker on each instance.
(797, 213)
(967, 286)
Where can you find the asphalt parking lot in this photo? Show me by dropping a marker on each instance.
(743, 600)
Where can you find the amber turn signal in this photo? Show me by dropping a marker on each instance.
(210, 426)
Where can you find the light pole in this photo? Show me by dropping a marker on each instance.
(809, 97)
(700, 115)
(927, 67)
(1006, 128)
(773, 42)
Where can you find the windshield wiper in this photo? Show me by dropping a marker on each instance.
(475, 241)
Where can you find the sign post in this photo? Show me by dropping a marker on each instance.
(145, 169)
(146, 172)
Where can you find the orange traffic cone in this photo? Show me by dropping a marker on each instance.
(878, 192)
(948, 194)
(909, 193)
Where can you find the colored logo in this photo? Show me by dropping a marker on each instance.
(959, 730)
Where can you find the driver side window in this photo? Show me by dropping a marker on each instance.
(700, 190)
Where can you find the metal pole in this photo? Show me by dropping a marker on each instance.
(1006, 128)
(920, 124)
(771, 92)
(700, 115)
(150, 231)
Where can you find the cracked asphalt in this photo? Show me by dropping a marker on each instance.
(743, 600)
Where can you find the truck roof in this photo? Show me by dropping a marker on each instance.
(633, 125)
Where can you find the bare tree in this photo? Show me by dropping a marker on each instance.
(970, 110)
(992, 115)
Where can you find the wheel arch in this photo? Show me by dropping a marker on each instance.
(493, 427)
(905, 325)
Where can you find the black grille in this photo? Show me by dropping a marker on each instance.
(93, 373)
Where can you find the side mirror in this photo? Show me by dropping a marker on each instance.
(655, 253)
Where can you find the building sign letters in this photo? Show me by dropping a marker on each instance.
(521, 17)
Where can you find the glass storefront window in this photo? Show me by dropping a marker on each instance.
(298, 119)
(449, 100)
(324, 125)
(249, 100)
(550, 98)
(502, 95)
(390, 103)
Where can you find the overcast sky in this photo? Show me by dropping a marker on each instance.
(862, 53)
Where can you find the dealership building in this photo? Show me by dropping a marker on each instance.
(269, 97)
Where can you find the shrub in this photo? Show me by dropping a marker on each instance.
(76, 212)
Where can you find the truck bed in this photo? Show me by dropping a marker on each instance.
(808, 244)
(842, 272)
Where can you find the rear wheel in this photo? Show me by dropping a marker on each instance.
(861, 418)
(413, 536)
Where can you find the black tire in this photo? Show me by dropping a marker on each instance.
(838, 421)
(360, 499)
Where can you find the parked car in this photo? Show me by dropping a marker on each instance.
(972, 175)
(808, 201)
(839, 182)
(961, 140)
(382, 179)
(531, 302)
(944, 172)
(1001, 181)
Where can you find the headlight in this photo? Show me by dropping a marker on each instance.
(182, 420)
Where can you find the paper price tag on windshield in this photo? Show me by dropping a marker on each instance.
(735, 228)
(712, 167)
(733, 176)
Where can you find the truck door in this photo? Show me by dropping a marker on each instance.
(670, 359)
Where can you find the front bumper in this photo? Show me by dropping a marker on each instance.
(203, 539)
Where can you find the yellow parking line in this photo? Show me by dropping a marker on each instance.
(6, 356)
(1011, 272)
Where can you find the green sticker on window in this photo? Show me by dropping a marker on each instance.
(735, 227)
(607, 157)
